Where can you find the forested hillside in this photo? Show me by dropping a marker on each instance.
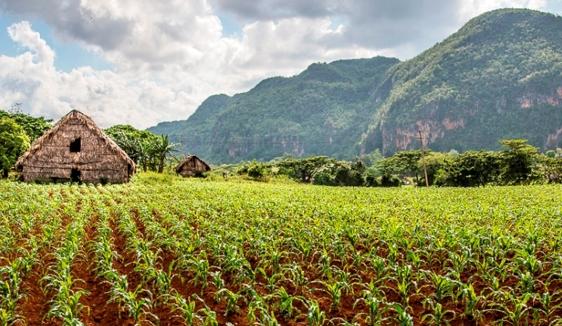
(498, 77)
(320, 111)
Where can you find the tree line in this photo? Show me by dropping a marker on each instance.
(517, 163)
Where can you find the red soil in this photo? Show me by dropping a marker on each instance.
(98, 308)
(35, 304)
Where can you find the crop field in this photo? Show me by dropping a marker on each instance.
(207, 253)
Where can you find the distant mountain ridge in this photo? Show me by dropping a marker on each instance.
(320, 111)
(500, 76)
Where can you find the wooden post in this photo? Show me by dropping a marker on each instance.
(423, 159)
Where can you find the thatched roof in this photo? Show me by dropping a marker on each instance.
(89, 124)
(189, 158)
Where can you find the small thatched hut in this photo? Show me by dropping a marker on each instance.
(75, 149)
(192, 166)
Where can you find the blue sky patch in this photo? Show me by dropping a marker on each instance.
(69, 54)
(230, 25)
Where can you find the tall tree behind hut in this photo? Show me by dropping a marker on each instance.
(162, 149)
(148, 150)
(34, 126)
(16, 125)
(13, 142)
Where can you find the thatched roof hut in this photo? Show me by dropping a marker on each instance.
(192, 166)
(75, 149)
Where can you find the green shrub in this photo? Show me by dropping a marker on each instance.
(340, 174)
(390, 181)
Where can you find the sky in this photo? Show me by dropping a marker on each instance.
(141, 62)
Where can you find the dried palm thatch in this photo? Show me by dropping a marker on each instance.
(75, 149)
(192, 166)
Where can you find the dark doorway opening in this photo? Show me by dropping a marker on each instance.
(75, 175)
(76, 145)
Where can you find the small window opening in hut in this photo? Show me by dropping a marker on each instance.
(75, 175)
(76, 145)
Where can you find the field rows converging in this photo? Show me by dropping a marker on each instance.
(207, 253)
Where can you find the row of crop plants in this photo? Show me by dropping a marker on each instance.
(269, 254)
(40, 221)
(387, 272)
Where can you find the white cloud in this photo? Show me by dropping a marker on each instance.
(164, 68)
(168, 56)
(144, 95)
(31, 79)
(24, 35)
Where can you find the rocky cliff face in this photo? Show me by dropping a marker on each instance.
(498, 77)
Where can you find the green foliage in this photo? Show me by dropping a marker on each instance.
(402, 164)
(518, 161)
(340, 174)
(34, 127)
(134, 142)
(302, 169)
(472, 168)
(550, 168)
(435, 163)
(256, 170)
(388, 181)
(13, 142)
(145, 148)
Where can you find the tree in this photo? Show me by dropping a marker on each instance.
(256, 170)
(303, 169)
(471, 168)
(435, 163)
(403, 164)
(34, 127)
(134, 142)
(13, 142)
(144, 147)
(161, 149)
(340, 173)
(518, 161)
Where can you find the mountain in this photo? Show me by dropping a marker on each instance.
(500, 76)
(322, 110)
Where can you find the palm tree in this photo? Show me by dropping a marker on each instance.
(162, 149)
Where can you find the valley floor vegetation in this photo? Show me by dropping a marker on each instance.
(166, 250)
(517, 164)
